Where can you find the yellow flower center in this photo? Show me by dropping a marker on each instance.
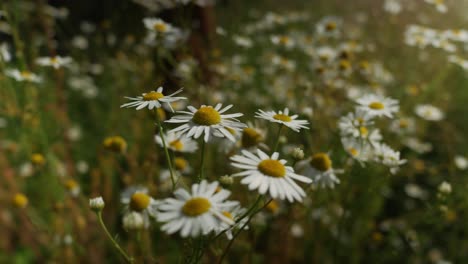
(345, 64)
(206, 116)
(54, 60)
(403, 123)
(364, 131)
(282, 117)
(139, 201)
(376, 105)
(330, 26)
(196, 206)
(228, 215)
(177, 144)
(71, 184)
(116, 144)
(160, 27)
(272, 168)
(20, 200)
(273, 206)
(26, 74)
(283, 40)
(152, 96)
(37, 159)
(353, 151)
(180, 164)
(321, 162)
(250, 137)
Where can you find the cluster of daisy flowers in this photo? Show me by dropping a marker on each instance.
(359, 136)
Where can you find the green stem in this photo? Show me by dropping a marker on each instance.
(226, 250)
(166, 151)
(278, 137)
(116, 245)
(201, 176)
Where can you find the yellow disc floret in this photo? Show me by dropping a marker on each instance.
(177, 144)
(272, 168)
(228, 215)
(321, 161)
(206, 116)
(250, 137)
(364, 131)
(37, 159)
(160, 27)
(376, 105)
(282, 117)
(180, 164)
(152, 96)
(139, 201)
(196, 206)
(20, 200)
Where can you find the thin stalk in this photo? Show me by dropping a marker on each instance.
(226, 250)
(116, 245)
(201, 176)
(278, 137)
(166, 151)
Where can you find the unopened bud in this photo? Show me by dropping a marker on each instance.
(96, 204)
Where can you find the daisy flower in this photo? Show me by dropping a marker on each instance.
(377, 105)
(268, 174)
(157, 25)
(429, 112)
(22, 76)
(388, 157)
(355, 124)
(197, 213)
(234, 214)
(357, 149)
(177, 143)
(319, 168)
(136, 199)
(153, 99)
(283, 117)
(207, 120)
(55, 61)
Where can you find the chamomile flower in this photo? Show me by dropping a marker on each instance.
(196, 213)
(234, 214)
(355, 124)
(252, 136)
(388, 157)
(329, 26)
(22, 76)
(153, 99)
(461, 162)
(357, 149)
(319, 168)
(157, 25)
(137, 199)
(207, 120)
(283, 117)
(377, 105)
(429, 112)
(55, 61)
(269, 174)
(177, 143)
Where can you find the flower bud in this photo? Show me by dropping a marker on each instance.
(133, 221)
(96, 204)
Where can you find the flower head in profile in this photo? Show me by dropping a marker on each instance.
(236, 215)
(283, 117)
(196, 213)
(153, 99)
(429, 112)
(55, 61)
(319, 167)
(207, 120)
(157, 25)
(23, 76)
(269, 174)
(388, 157)
(137, 199)
(377, 105)
(177, 143)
